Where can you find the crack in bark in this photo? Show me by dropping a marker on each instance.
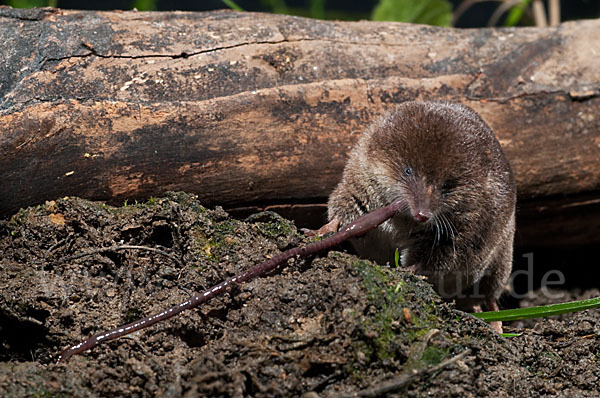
(527, 94)
(210, 50)
(172, 56)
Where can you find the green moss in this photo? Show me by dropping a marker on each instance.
(423, 355)
(204, 246)
(434, 355)
(388, 304)
(225, 228)
(219, 238)
(185, 201)
(401, 309)
(275, 229)
(271, 225)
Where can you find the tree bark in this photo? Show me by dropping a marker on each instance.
(249, 109)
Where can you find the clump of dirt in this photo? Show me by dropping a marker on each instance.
(330, 326)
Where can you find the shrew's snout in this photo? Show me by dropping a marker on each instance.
(422, 216)
(422, 201)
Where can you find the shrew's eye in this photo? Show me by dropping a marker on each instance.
(448, 186)
(408, 171)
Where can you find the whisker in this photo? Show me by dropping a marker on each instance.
(445, 225)
(436, 238)
(451, 228)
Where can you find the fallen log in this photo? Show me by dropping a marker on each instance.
(248, 109)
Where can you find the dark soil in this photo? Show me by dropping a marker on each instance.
(331, 326)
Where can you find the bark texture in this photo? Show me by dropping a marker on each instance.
(249, 109)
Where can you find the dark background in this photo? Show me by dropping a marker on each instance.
(476, 16)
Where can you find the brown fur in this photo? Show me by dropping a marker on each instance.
(460, 180)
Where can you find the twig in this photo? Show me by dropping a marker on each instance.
(539, 14)
(361, 226)
(554, 11)
(56, 245)
(500, 10)
(122, 247)
(405, 379)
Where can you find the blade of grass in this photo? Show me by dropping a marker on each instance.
(232, 4)
(539, 312)
(317, 9)
(276, 6)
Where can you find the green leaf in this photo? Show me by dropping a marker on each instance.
(430, 12)
(515, 14)
(539, 312)
(144, 5)
(511, 334)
